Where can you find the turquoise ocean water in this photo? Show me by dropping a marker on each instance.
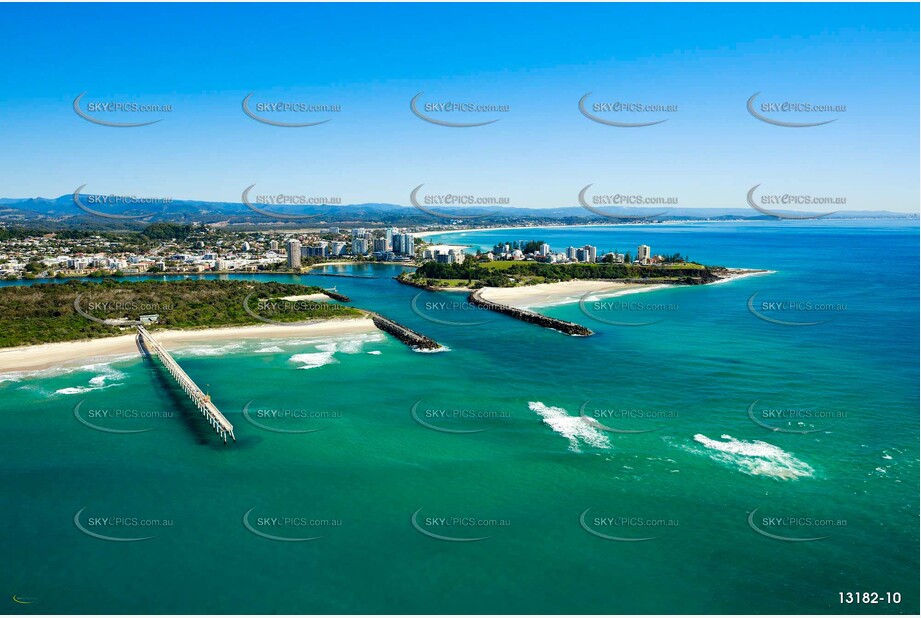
(711, 445)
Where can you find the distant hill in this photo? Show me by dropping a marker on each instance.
(62, 212)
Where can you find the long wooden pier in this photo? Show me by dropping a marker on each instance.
(202, 401)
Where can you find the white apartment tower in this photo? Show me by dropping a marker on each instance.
(294, 253)
(642, 254)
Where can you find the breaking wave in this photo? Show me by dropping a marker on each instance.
(438, 350)
(313, 360)
(269, 350)
(328, 349)
(756, 458)
(209, 350)
(107, 374)
(574, 428)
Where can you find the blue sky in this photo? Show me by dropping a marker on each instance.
(537, 59)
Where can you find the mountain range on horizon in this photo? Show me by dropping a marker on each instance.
(64, 212)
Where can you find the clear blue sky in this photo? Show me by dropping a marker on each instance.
(537, 59)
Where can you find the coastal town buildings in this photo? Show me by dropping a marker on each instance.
(543, 252)
(209, 250)
(359, 246)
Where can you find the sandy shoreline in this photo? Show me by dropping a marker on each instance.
(44, 356)
(566, 292)
(446, 248)
(314, 297)
(502, 229)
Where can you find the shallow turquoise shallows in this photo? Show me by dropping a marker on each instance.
(746, 447)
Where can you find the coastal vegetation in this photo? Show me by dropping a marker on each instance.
(474, 274)
(152, 232)
(45, 313)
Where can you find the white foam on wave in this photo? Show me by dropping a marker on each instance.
(107, 374)
(327, 349)
(313, 360)
(59, 370)
(269, 350)
(743, 275)
(437, 350)
(292, 342)
(325, 340)
(209, 350)
(574, 428)
(349, 345)
(374, 352)
(354, 345)
(756, 458)
(74, 390)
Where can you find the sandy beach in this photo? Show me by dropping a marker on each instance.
(314, 297)
(505, 228)
(446, 248)
(35, 357)
(564, 292)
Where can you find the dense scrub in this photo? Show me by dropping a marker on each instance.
(45, 313)
(506, 274)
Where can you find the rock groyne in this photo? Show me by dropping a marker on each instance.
(342, 298)
(406, 335)
(531, 317)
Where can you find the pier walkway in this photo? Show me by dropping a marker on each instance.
(202, 401)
